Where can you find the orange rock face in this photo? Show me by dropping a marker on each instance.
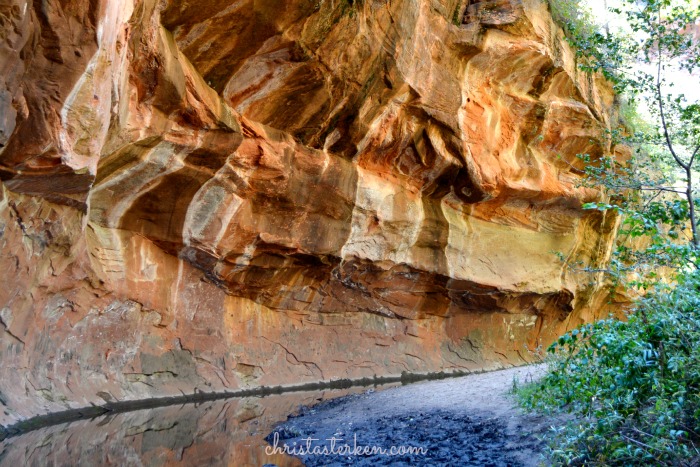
(211, 195)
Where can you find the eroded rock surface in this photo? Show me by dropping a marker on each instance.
(209, 195)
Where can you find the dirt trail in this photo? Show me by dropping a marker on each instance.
(467, 421)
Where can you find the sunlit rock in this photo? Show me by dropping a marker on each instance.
(212, 195)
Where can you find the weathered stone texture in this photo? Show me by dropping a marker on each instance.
(209, 195)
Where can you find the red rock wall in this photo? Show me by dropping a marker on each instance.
(210, 195)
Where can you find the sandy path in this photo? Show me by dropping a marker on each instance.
(471, 420)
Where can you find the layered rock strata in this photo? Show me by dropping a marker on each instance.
(210, 195)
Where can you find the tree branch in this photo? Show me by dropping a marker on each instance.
(664, 125)
(692, 157)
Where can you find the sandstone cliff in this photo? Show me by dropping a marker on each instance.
(215, 194)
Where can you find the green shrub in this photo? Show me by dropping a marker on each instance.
(634, 386)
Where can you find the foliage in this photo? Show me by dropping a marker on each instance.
(639, 63)
(653, 232)
(576, 19)
(654, 190)
(634, 386)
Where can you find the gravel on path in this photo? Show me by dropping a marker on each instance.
(467, 421)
